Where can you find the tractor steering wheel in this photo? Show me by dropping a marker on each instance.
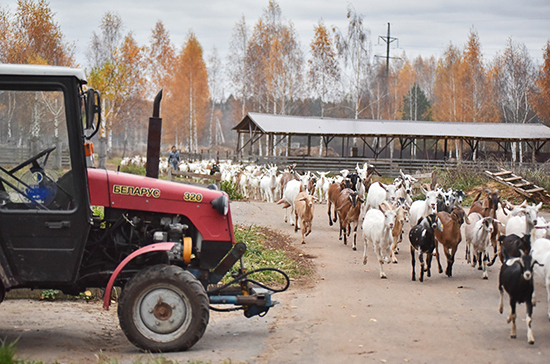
(34, 160)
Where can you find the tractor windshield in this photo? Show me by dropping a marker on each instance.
(34, 151)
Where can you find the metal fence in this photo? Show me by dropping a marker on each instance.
(391, 167)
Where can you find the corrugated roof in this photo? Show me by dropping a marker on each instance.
(298, 125)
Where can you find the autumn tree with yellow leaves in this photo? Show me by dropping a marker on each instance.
(187, 102)
(31, 36)
(541, 95)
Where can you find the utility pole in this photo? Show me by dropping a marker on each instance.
(388, 41)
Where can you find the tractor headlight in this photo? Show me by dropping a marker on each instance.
(221, 204)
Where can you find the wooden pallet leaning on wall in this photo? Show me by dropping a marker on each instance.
(520, 185)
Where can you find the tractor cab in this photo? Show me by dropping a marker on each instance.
(44, 202)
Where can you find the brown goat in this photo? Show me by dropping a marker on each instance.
(488, 206)
(348, 208)
(450, 236)
(367, 181)
(303, 210)
(397, 232)
(333, 194)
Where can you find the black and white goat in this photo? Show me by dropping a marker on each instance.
(422, 241)
(516, 277)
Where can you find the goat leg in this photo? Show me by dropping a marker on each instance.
(485, 260)
(429, 263)
(365, 252)
(437, 257)
(413, 252)
(422, 265)
(528, 320)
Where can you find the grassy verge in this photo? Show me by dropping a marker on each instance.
(268, 248)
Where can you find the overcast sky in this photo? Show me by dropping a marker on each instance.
(423, 27)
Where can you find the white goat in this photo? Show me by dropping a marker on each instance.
(422, 208)
(320, 190)
(405, 191)
(292, 189)
(379, 192)
(377, 229)
(540, 251)
(268, 183)
(478, 240)
(541, 229)
(520, 225)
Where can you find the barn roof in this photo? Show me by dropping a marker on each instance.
(299, 125)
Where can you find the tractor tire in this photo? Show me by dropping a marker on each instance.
(163, 308)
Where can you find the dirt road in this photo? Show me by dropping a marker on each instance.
(349, 315)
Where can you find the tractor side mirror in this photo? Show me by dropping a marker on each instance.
(93, 108)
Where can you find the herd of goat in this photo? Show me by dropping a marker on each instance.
(492, 228)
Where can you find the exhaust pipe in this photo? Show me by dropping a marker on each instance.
(153, 139)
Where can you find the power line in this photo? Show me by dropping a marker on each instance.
(388, 39)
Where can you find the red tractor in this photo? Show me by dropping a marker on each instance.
(165, 243)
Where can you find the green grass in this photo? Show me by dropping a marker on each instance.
(232, 190)
(461, 178)
(134, 169)
(260, 255)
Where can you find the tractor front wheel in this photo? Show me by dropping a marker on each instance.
(163, 308)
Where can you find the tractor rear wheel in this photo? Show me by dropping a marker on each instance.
(163, 308)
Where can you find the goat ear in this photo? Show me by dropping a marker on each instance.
(539, 205)
(510, 262)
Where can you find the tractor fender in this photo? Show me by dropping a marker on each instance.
(146, 249)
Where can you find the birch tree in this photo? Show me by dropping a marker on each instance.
(515, 75)
(237, 67)
(215, 82)
(354, 49)
(324, 72)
